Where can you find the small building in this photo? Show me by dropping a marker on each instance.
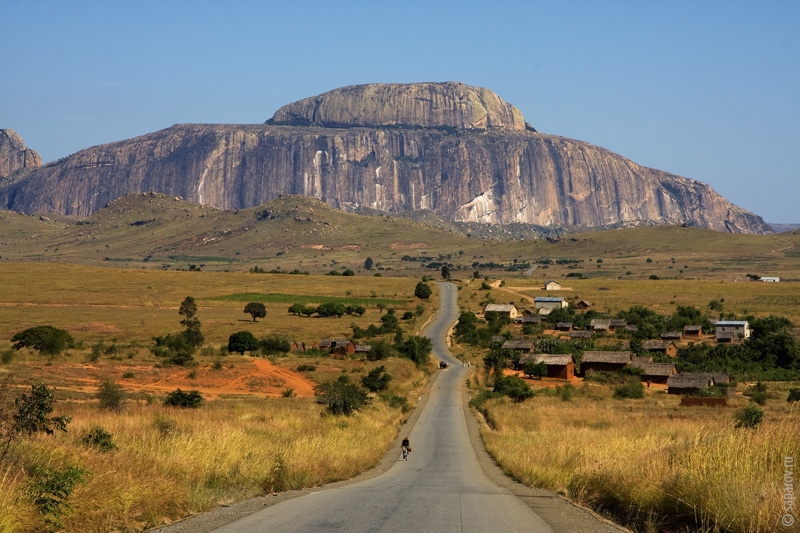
(688, 382)
(600, 324)
(497, 338)
(564, 326)
(656, 372)
(660, 346)
(601, 361)
(322, 344)
(529, 319)
(552, 285)
(519, 346)
(363, 348)
(583, 304)
(692, 331)
(671, 336)
(617, 323)
(770, 279)
(298, 346)
(342, 347)
(728, 330)
(580, 334)
(559, 366)
(548, 302)
(640, 360)
(507, 310)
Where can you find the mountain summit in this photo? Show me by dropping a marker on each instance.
(459, 151)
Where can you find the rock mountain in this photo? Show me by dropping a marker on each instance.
(14, 155)
(457, 150)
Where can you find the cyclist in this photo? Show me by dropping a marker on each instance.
(406, 448)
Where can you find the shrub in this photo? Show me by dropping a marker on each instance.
(537, 370)
(749, 417)
(49, 489)
(794, 396)
(398, 402)
(423, 290)
(478, 401)
(514, 387)
(341, 397)
(100, 439)
(46, 339)
(274, 344)
(376, 380)
(187, 400)
(288, 393)
(632, 388)
(110, 394)
(306, 368)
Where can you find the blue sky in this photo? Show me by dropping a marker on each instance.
(709, 90)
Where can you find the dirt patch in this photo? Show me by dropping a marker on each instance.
(407, 245)
(257, 377)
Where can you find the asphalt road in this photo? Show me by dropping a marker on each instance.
(447, 485)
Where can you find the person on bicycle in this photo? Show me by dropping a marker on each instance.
(406, 445)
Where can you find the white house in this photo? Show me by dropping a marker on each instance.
(770, 279)
(508, 310)
(728, 330)
(552, 285)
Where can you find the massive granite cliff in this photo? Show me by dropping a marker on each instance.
(14, 155)
(457, 150)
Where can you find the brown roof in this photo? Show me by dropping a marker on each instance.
(655, 345)
(518, 345)
(564, 325)
(618, 323)
(690, 380)
(600, 323)
(580, 334)
(606, 357)
(553, 359)
(671, 335)
(635, 359)
(655, 369)
(692, 328)
(363, 347)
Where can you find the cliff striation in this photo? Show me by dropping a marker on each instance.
(14, 155)
(461, 152)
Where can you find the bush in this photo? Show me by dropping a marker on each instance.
(794, 396)
(100, 439)
(49, 489)
(537, 370)
(376, 380)
(423, 290)
(478, 401)
(514, 387)
(749, 417)
(306, 368)
(274, 344)
(242, 341)
(110, 394)
(46, 339)
(632, 388)
(341, 397)
(187, 400)
(398, 402)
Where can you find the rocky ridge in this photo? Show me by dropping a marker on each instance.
(14, 155)
(458, 151)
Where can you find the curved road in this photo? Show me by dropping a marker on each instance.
(441, 488)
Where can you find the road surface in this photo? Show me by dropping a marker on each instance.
(443, 487)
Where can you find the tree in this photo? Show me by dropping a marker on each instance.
(514, 387)
(341, 397)
(368, 263)
(274, 344)
(46, 339)
(535, 370)
(29, 414)
(445, 272)
(188, 311)
(422, 291)
(376, 380)
(416, 348)
(110, 394)
(256, 310)
(242, 341)
(331, 309)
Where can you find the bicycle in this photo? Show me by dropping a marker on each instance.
(405, 453)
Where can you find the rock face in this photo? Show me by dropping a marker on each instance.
(426, 105)
(14, 155)
(473, 162)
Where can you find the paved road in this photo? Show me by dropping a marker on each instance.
(443, 487)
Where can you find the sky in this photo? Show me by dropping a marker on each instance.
(706, 89)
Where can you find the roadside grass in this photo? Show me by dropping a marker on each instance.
(649, 464)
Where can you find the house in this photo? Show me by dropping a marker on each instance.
(659, 346)
(552, 285)
(600, 324)
(636, 359)
(583, 304)
(548, 302)
(559, 366)
(519, 345)
(655, 372)
(363, 348)
(728, 330)
(617, 323)
(770, 279)
(507, 310)
(604, 361)
(342, 347)
(564, 326)
(688, 382)
(529, 319)
(322, 344)
(692, 331)
(671, 336)
(580, 334)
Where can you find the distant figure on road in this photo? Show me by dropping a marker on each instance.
(406, 445)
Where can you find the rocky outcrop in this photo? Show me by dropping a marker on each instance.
(14, 155)
(503, 174)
